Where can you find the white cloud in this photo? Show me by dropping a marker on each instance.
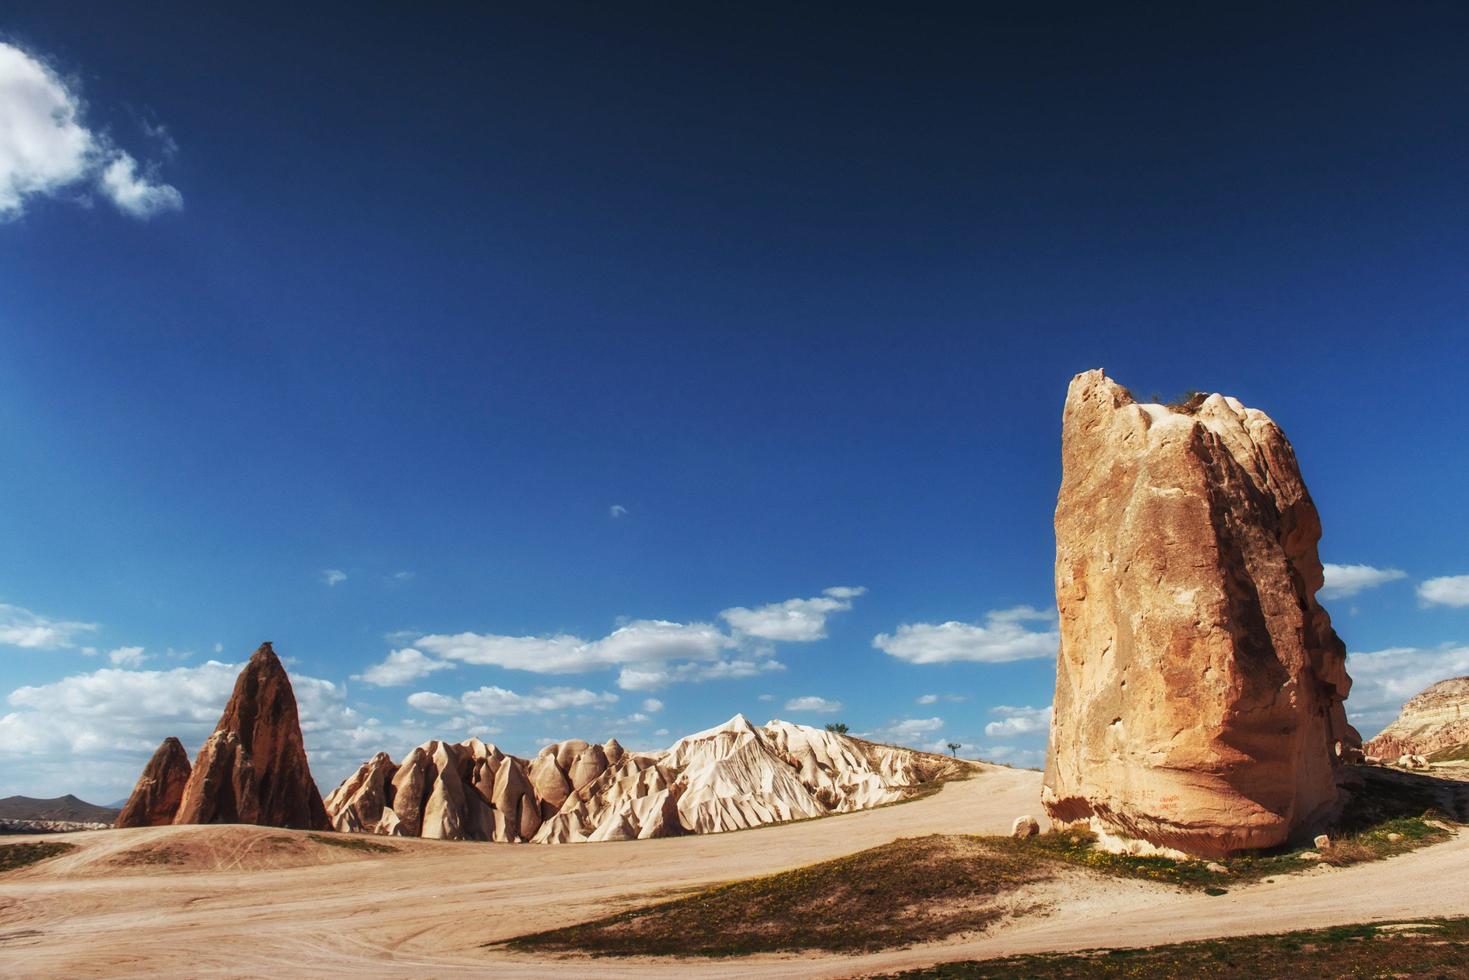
(1003, 638)
(936, 698)
(907, 730)
(333, 576)
(1383, 680)
(1447, 590)
(32, 631)
(400, 667)
(794, 620)
(46, 148)
(1343, 581)
(219, 648)
(653, 677)
(652, 705)
(814, 704)
(434, 704)
(641, 641)
(499, 701)
(127, 656)
(98, 729)
(617, 510)
(1018, 721)
(137, 194)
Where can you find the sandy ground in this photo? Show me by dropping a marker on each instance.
(231, 902)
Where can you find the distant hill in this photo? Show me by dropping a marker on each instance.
(67, 808)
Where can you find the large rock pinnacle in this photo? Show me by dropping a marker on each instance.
(253, 768)
(1199, 686)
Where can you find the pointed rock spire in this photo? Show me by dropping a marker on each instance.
(156, 797)
(253, 769)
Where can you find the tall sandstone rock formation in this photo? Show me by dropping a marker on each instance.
(1433, 721)
(155, 799)
(1199, 686)
(253, 768)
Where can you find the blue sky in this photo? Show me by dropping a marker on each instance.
(743, 332)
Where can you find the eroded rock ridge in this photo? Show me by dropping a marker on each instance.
(730, 777)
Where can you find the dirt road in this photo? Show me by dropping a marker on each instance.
(237, 901)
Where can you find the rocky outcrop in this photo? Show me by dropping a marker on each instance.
(729, 777)
(253, 769)
(156, 797)
(358, 804)
(1199, 686)
(1433, 722)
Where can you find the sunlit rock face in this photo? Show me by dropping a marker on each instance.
(1199, 685)
(730, 777)
(253, 769)
(155, 799)
(1434, 721)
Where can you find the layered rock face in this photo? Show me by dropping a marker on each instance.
(253, 769)
(1432, 722)
(1199, 686)
(155, 799)
(729, 777)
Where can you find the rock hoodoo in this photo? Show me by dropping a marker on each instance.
(156, 797)
(1199, 686)
(1433, 722)
(253, 768)
(729, 777)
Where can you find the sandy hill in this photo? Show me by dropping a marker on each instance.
(730, 777)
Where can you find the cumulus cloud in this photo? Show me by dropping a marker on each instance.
(617, 510)
(936, 698)
(46, 146)
(1343, 581)
(1018, 721)
(1004, 637)
(794, 620)
(127, 656)
(434, 704)
(814, 705)
(652, 705)
(653, 677)
(641, 641)
(1447, 590)
(400, 667)
(1383, 680)
(333, 576)
(31, 631)
(499, 701)
(99, 728)
(907, 730)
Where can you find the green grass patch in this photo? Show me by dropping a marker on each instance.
(353, 844)
(1421, 948)
(16, 856)
(912, 890)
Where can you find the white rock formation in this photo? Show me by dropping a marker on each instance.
(730, 777)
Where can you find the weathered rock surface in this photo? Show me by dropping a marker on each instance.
(729, 777)
(1199, 685)
(1431, 722)
(156, 797)
(358, 804)
(253, 769)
